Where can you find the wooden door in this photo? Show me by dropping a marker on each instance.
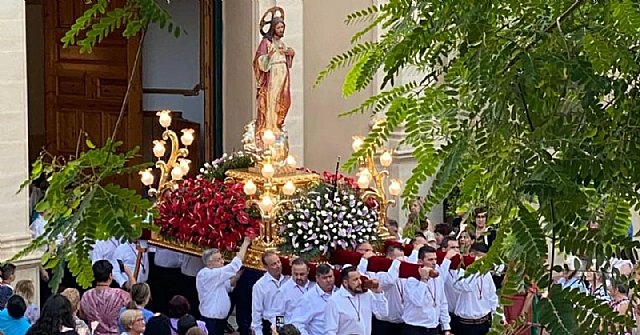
(84, 92)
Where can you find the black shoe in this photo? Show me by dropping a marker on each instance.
(228, 329)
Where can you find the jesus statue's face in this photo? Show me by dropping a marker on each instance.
(279, 31)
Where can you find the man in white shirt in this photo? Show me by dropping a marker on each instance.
(263, 308)
(189, 267)
(391, 284)
(291, 292)
(103, 249)
(349, 310)
(308, 316)
(477, 300)
(128, 254)
(425, 305)
(212, 283)
(452, 247)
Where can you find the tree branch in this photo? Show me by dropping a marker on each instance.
(526, 107)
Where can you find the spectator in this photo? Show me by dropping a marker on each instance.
(133, 322)
(6, 290)
(56, 318)
(73, 295)
(26, 290)
(442, 230)
(158, 325)
(102, 303)
(12, 320)
(196, 331)
(185, 323)
(178, 307)
(140, 296)
(287, 330)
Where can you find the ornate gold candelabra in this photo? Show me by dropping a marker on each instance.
(271, 195)
(177, 166)
(369, 171)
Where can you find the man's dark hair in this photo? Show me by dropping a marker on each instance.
(16, 306)
(346, 271)
(425, 250)
(446, 240)
(391, 248)
(7, 271)
(102, 270)
(392, 222)
(267, 254)
(443, 229)
(158, 325)
(323, 269)
(479, 247)
(418, 234)
(300, 261)
(288, 329)
(185, 323)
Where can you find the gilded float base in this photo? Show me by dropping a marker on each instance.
(253, 258)
(300, 179)
(175, 245)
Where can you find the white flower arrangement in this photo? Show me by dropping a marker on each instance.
(324, 220)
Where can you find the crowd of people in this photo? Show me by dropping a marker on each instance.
(194, 295)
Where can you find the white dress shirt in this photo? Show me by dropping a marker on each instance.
(190, 265)
(308, 316)
(288, 297)
(477, 296)
(128, 254)
(391, 284)
(425, 304)
(212, 289)
(263, 303)
(37, 228)
(167, 258)
(347, 314)
(450, 278)
(104, 250)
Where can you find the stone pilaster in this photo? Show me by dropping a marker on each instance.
(294, 38)
(14, 226)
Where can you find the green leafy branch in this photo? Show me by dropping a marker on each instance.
(81, 207)
(100, 20)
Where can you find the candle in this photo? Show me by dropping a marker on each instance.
(146, 177)
(187, 136)
(395, 187)
(358, 141)
(289, 188)
(268, 138)
(386, 159)
(158, 148)
(250, 187)
(165, 118)
(268, 171)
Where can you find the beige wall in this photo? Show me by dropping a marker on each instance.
(324, 136)
(238, 87)
(325, 35)
(14, 227)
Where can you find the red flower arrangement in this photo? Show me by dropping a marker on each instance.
(207, 213)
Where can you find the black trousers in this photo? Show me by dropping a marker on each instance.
(477, 329)
(215, 326)
(416, 330)
(266, 327)
(455, 324)
(379, 327)
(242, 294)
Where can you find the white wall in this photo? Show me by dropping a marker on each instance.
(169, 62)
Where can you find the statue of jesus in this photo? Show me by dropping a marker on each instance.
(271, 66)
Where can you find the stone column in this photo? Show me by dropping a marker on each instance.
(293, 37)
(14, 226)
